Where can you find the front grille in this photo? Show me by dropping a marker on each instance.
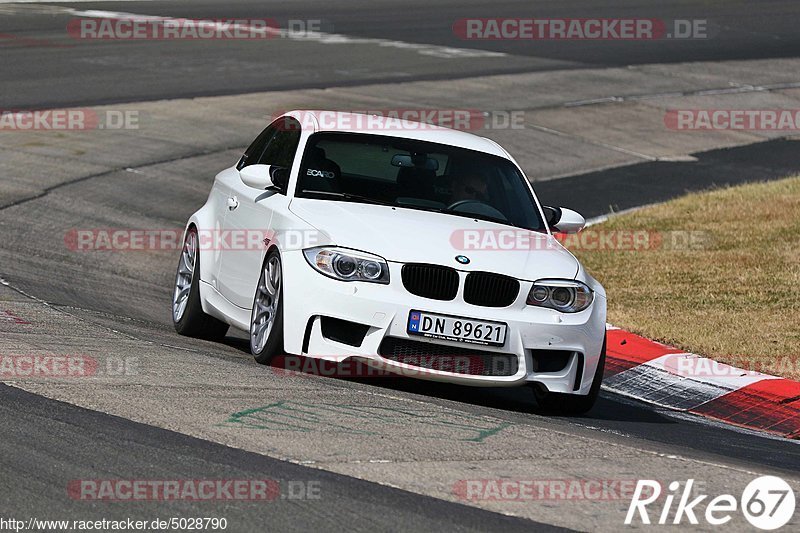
(490, 290)
(448, 358)
(430, 281)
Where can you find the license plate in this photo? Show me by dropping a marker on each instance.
(453, 328)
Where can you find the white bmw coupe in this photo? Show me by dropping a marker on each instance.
(417, 248)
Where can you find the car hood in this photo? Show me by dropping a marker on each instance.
(415, 236)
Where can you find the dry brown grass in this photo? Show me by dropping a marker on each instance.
(736, 299)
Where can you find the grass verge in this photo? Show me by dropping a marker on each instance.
(714, 273)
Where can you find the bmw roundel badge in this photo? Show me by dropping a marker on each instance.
(463, 259)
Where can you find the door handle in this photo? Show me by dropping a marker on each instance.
(233, 203)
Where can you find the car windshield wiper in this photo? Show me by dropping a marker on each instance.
(422, 207)
(347, 196)
(464, 214)
(487, 218)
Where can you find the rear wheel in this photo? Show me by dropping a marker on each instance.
(266, 319)
(187, 311)
(572, 404)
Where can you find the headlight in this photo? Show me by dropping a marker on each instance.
(562, 295)
(348, 265)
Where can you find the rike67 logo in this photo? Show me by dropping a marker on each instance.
(768, 503)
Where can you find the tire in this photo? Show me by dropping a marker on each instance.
(187, 311)
(266, 317)
(572, 404)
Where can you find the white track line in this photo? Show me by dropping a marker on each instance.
(443, 52)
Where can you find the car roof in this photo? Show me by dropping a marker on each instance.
(351, 122)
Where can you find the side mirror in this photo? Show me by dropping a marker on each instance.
(564, 220)
(258, 176)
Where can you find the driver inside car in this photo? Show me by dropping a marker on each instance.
(470, 187)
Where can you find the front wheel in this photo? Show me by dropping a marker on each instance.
(572, 404)
(266, 319)
(187, 311)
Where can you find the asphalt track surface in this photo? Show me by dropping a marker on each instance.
(49, 465)
(46, 443)
(40, 57)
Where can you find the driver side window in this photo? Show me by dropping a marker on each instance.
(254, 152)
(282, 147)
(275, 146)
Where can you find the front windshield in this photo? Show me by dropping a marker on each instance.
(415, 174)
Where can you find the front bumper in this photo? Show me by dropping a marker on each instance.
(532, 331)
